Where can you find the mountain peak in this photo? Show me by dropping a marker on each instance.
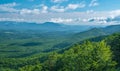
(51, 24)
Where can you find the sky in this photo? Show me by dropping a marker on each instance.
(72, 12)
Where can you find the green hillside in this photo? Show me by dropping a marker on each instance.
(87, 56)
(33, 50)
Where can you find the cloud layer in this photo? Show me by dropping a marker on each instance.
(59, 11)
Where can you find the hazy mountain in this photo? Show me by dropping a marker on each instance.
(95, 32)
(46, 27)
(112, 29)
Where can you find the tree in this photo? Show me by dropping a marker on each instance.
(50, 63)
(87, 57)
(37, 67)
(114, 42)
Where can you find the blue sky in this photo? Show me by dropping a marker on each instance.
(61, 11)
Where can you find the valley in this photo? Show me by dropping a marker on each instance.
(31, 44)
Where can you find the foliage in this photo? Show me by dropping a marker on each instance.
(32, 50)
(114, 42)
(87, 57)
(31, 68)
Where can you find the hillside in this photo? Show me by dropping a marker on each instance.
(22, 43)
(96, 32)
(87, 56)
(30, 46)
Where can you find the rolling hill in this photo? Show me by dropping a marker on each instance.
(96, 32)
(25, 39)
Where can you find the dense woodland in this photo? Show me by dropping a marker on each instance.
(103, 55)
(76, 48)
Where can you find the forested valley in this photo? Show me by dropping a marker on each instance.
(93, 49)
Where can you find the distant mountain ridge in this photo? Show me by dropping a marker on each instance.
(96, 32)
(47, 26)
(50, 24)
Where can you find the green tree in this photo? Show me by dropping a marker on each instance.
(114, 42)
(50, 63)
(37, 67)
(87, 57)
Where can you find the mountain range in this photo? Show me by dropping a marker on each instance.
(25, 39)
(46, 27)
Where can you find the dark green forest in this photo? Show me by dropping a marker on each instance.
(88, 55)
(31, 49)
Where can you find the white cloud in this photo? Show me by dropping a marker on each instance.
(75, 6)
(115, 13)
(12, 19)
(9, 4)
(44, 8)
(89, 11)
(58, 8)
(93, 3)
(58, 1)
(61, 20)
(36, 11)
(68, 7)
(105, 20)
(104, 17)
(9, 7)
(27, 11)
(86, 18)
(98, 20)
